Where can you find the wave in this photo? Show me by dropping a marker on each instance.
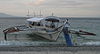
(92, 43)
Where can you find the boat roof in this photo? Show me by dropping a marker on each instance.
(35, 19)
(52, 18)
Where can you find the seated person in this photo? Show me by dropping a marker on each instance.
(52, 25)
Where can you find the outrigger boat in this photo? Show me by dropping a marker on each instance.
(49, 28)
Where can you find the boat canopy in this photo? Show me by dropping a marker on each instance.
(35, 19)
(52, 19)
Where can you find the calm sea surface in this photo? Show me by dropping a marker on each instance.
(86, 24)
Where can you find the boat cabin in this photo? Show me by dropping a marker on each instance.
(48, 22)
(52, 21)
(35, 22)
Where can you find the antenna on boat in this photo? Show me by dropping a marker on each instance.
(52, 14)
(28, 13)
(34, 14)
(40, 14)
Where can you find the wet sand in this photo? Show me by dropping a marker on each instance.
(32, 48)
(49, 50)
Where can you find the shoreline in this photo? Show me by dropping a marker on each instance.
(63, 48)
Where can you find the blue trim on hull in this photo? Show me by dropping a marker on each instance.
(68, 40)
(67, 37)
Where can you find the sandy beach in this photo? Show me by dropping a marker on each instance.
(49, 50)
(63, 48)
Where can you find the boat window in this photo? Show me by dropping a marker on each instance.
(52, 25)
(29, 22)
(33, 23)
(36, 24)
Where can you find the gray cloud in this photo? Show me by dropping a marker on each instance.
(70, 3)
(54, 3)
(59, 6)
(62, 3)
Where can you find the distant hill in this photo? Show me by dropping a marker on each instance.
(6, 15)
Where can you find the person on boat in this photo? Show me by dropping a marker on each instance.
(67, 25)
(30, 24)
(33, 24)
(52, 25)
(39, 24)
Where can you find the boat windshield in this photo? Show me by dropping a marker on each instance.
(35, 19)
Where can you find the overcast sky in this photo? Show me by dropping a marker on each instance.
(71, 8)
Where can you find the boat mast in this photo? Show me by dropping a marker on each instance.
(52, 14)
(34, 14)
(40, 14)
(28, 14)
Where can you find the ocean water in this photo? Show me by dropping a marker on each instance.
(86, 24)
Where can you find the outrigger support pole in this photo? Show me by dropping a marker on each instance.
(66, 35)
(5, 36)
(67, 38)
